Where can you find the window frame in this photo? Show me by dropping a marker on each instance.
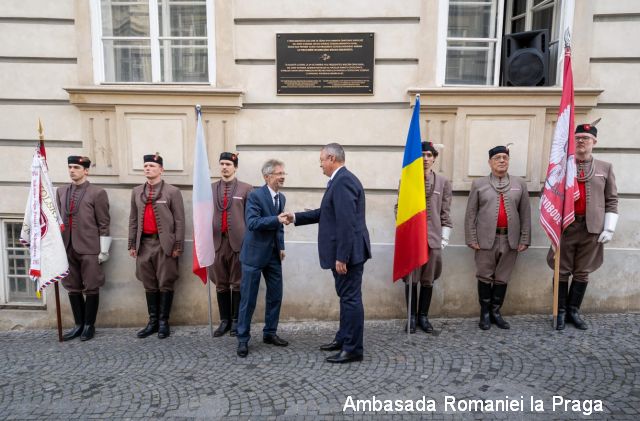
(4, 270)
(155, 40)
(563, 15)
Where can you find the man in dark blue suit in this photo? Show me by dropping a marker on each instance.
(343, 246)
(261, 254)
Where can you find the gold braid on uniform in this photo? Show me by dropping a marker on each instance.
(76, 206)
(587, 168)
(155, 197)
(497, 186)
(429, 187)
(220, 200)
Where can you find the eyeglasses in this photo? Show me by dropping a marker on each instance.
(278, 174)
(583, 138)
(500, 158)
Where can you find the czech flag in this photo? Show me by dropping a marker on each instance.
(411, 247)
(203, 248)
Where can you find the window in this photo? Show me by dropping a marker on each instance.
(17, 286)
(531, 15)
(153, 41)
(473, 41)
(474, 31)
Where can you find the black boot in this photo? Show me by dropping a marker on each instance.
(152, 308)
(576, 294)
(423, 308)
(76, 299)
(414, 304)
(235, 307)
(90, 313)
(166, 299)
(224, 307)
(484, 296)
(563, 287)
(498, 293)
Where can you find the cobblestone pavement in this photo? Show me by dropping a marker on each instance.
(191, 375)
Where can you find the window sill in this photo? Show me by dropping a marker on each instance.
(480, 96)
(153, 94)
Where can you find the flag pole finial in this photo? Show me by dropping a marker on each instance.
(40, 130)
(198, 109)
(567, 38)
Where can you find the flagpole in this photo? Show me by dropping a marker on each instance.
(556, 285)
(55, 285)
(209, 300)
(410, 279)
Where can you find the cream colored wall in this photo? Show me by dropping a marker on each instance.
(242, 112)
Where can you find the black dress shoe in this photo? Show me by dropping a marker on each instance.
(243, 349)
(274, 340)
(344, 357)
(332, 346)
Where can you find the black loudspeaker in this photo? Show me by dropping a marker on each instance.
(525, 59)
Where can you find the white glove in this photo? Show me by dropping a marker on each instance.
(105, 245)
(446, 231)
(610, 222)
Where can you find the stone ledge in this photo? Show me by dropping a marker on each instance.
(109, 96)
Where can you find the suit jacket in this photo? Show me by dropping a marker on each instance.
(482, 213)
(235, 214)
(342, 231)
(602, 196)
(90, 222)
(438, 208)
(169, 211)
(264, 232)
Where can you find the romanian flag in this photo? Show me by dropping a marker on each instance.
(411, 248)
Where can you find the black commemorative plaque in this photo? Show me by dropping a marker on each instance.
(318, 64)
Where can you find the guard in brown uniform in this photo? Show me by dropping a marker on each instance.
(229, 198)
(438, 195)
(156, 238)
(85, 213)
(498, 227)
(582, 242)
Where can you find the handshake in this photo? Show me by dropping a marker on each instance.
(286, 218)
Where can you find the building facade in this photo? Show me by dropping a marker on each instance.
(114, 79)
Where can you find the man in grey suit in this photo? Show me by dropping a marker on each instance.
(262, 254)
(497, 227)
(85, 213)
(582, 242)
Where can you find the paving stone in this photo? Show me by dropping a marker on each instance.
(193, 376)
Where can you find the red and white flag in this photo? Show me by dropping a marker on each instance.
(42, 227)
(203, 248)
(561, 186)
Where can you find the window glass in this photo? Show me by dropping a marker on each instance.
(470, 63)
(470, 20)
(127, 61)
(543, 19)
(125, 18)
(20, 287)
(135, 50)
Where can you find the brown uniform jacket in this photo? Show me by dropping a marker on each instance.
(481, 217)
(602, 196)
(169, 210)
(235, 214)
(90, 222)
(438, 207)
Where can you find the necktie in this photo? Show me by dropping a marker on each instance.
(276, 202)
